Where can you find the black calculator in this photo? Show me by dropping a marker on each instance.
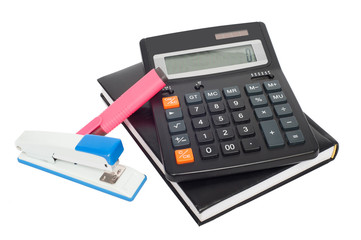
(227, 107)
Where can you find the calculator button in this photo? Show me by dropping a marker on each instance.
(200, 123)
(216, 107)
(230, 148)
(283, 110)
(170, 102)
(253, 88)
(204, 137)
(173, 114)
(258, 101)
(272, 134)
(220, 120)
(236, 104)
(263, 113)
(289, 123)
(295, 137)
(183, 156)
(231, 92)
(196, 110)
(209, 151)
(246, 130)
(225, 133)
(240, 117)
(212, 95)
(177, 127)
(250, 145)
(272, 86)
(181, 140)
(192, 98)
(277, 98)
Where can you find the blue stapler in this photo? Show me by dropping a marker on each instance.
(89, 160)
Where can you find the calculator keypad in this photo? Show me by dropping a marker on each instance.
(221, 114)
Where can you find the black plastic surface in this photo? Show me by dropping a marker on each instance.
(224, 165)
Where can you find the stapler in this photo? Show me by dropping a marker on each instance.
(90, 160)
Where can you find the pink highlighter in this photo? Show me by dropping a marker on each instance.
(129, 102)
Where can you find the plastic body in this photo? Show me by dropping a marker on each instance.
(225, 161)
(135, 97)
(89, 150)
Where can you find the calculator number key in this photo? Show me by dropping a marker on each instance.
(204, 137)
(220, 120)
(240, 117)
(230, 148)
(246, 130)
(200, 123)
(208, 152)
(196, 110)
(236, 104)
(216, 107)
(225, 133)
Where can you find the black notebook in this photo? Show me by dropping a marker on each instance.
(208, 199)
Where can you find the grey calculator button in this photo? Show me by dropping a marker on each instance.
(272, 86)
(277, 97)
(231, 92)
(216, 107)
(289, 123)
(236, 104)
(253, 88)
(283, 110)
(176, 126)
(295, 137)
(263, 113)
(258, 101)
(192, 98)
(212, 95)
(272, 134)
(180, 140)
(200, 123)
(230, 148)
(196, 110)
(209, 151)
(173, 114)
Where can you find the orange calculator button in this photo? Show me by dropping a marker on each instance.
(184, 156)
(170, 102)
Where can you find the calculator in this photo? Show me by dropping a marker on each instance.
(227, 107)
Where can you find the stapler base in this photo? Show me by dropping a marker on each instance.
(126, 187)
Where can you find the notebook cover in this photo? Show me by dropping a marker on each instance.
(203, 193)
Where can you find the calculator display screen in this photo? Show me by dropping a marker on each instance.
(210, 59)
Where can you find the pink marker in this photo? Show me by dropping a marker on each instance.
(127, 103)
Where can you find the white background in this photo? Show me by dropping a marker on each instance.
(51, 54)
